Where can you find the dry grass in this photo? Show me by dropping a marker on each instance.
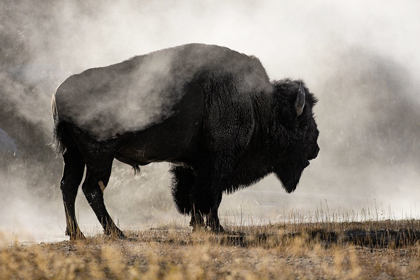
(318, 250)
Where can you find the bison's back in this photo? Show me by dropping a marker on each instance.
(143, 91)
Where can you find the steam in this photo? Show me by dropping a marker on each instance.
(360, 59)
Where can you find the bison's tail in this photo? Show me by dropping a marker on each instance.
(61, 133)
(60, 136)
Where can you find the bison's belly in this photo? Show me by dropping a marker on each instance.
(174, 139)
(160, 143)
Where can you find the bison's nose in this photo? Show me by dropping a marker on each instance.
(315, 152)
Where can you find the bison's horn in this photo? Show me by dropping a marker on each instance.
(300, 100)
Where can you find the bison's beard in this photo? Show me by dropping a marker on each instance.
(289, 175)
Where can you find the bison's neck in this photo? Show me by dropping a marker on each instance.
(256, 161)
(274, 136)
(261, 144)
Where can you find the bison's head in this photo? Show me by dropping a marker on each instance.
(295, 131)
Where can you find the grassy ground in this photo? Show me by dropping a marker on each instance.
(322, 250)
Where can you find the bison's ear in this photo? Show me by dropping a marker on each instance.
(300, 100)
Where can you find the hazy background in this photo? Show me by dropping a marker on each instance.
(359, 58)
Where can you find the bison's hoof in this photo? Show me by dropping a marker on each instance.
(77, 236)
(218, 229)
(116, 233)
(198, 228)
(75, 233)
(121, 236)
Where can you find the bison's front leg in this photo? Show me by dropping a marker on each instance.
(206, 196)
(183, 180)
(212, 217)
(197, 220)
(212, 220)
(199, 199)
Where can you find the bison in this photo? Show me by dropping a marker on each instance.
(210, 111)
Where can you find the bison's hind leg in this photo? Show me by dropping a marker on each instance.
(98, 171)
(72, 176)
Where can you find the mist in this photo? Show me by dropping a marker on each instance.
(359, 59)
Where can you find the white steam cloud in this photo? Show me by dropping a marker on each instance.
(359, 58)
